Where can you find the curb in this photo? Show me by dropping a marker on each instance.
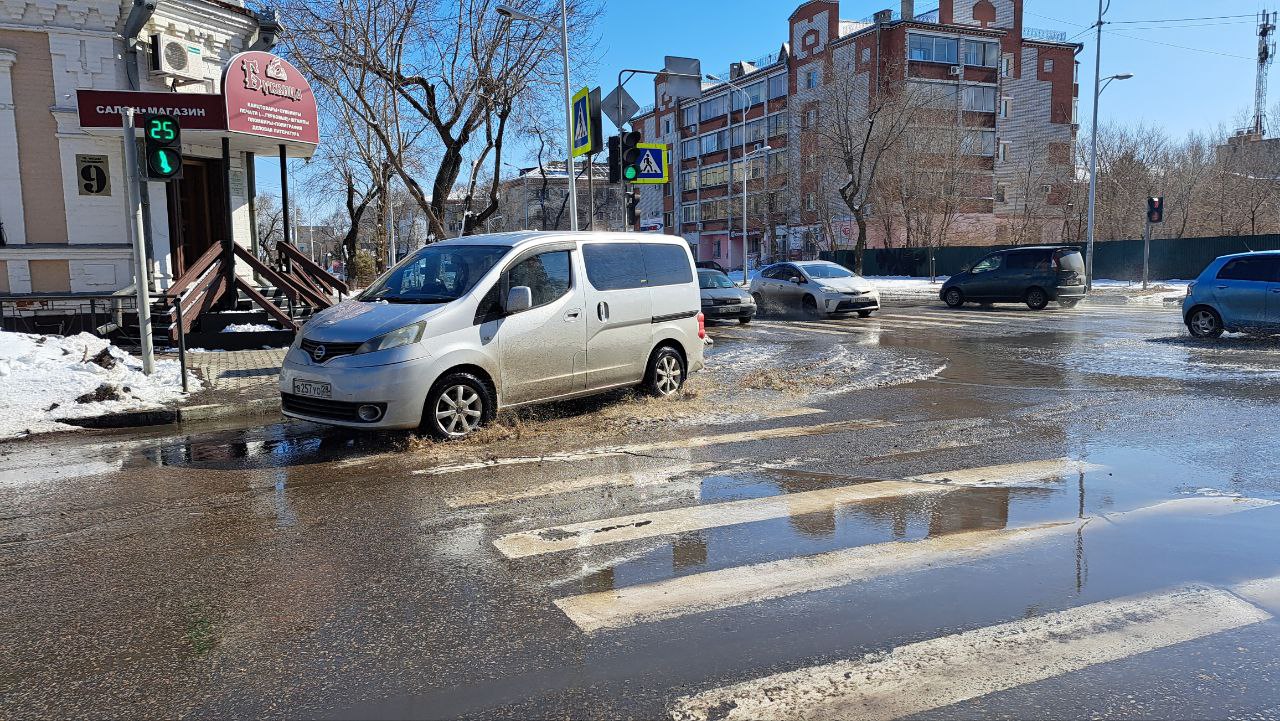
(169, 416)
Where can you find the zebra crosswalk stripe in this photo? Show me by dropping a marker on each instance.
(742, 585)
(942, 671)
(703, 516)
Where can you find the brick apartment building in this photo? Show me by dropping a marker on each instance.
(1012, 94)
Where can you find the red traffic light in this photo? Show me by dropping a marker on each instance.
(1155, 209)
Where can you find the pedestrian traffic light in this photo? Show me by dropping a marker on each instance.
(1155, 209)
(633, 209)
(630, 155)
(615, 159)
(163, 143)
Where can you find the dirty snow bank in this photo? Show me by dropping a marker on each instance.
(249, 328)
(44, 379)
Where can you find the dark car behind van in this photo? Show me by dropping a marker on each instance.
(1033, 275)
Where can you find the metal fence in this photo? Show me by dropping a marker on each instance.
(1171, 258)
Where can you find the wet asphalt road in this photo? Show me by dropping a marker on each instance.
(803, 535)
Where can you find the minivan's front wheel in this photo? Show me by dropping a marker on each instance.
(953, 297)
(666, 372)
(457, 406)
(1204, 323)
(1037, 299)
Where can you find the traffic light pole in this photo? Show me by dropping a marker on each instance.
(1146, 253)
(133, 179)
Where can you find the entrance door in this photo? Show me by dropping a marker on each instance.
(197, 211)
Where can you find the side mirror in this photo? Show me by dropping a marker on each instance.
(519, 298)
(797, 279)
(966, 268)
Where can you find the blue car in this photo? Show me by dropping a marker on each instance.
(1237, 293)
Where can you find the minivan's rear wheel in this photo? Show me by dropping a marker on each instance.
(1037, 299)
(457, 406)
(1204, 323)
(666, 372)
(953, 297)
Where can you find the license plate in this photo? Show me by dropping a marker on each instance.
(312, 389)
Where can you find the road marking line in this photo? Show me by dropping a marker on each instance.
(942, 671)
(1010, 474)
(699, 517)
(565, 485)
(743, 585)
(816, 429)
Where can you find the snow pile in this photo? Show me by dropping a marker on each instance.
(44, 379)
(1158, 294)
(901, 286)
(249, 328)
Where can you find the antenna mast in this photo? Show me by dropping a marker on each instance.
(1266, 53)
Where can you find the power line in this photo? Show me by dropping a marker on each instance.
(1180, 47)
(1194, 25)
(1176, 20)
(1056, 20)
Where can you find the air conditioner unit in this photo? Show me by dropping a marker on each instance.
(175, 58)
(955, 70)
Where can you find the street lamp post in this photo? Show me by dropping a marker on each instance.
(1098, 87)
(746, 105)
(514, 14)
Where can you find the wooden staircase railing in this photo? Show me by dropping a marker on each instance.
(213, 275)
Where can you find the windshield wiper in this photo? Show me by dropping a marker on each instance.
(417, 299)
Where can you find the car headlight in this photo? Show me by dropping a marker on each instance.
(708, 301)
(401, 336)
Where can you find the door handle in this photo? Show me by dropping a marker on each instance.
(572, 314)
(602, 311)
(1275, 290)
(1222, 287)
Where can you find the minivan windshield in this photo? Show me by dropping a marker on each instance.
(713, 279)
(435, 274)
(823, 270)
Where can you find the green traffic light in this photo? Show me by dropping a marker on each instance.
(630, 172)
(162, 158)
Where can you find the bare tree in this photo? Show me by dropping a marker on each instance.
(857, 128)
(454, 68)
(270, 220)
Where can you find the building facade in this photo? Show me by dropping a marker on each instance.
(537, 199)
(64, 200)
(1006, 91)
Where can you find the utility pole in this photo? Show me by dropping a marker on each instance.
(133, 180)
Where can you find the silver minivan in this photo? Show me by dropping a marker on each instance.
(464, 327)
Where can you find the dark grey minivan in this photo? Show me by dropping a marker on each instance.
(1033, 275)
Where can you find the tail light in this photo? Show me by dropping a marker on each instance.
(702, 326)
(1190, 286)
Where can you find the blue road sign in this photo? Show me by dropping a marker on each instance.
(654, 163)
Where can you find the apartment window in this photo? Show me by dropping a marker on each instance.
(755, 132)
(690, 115)
(777, 125)
(715, 209)
(1003, 155)
(715, 175)
(1006, 66)
(755, 94)
(777, 86)
(809, 119)
(689, 180)
(713, 108)
(866, 55)
(811, 79)
(1006, 107)
(980, 98)
(668, 219)
(712, 142)
(1002, 192)
(778, 162)
(809, 162)
(981, 53)
(979, 142)
(715, 249)
(810, 201)
(689, 148)
(1048, 65)
(666, 126)
(689, 213)
(933, 49)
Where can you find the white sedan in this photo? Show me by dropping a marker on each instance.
(815, 287)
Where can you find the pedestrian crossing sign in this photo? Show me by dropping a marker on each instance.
(654, 163)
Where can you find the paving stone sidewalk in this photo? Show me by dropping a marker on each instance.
(235, 382)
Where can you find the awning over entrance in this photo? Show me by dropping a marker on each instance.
(266, 105)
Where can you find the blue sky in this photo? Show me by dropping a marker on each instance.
(1192, 74)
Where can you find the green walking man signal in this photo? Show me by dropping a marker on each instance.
(163, 144)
